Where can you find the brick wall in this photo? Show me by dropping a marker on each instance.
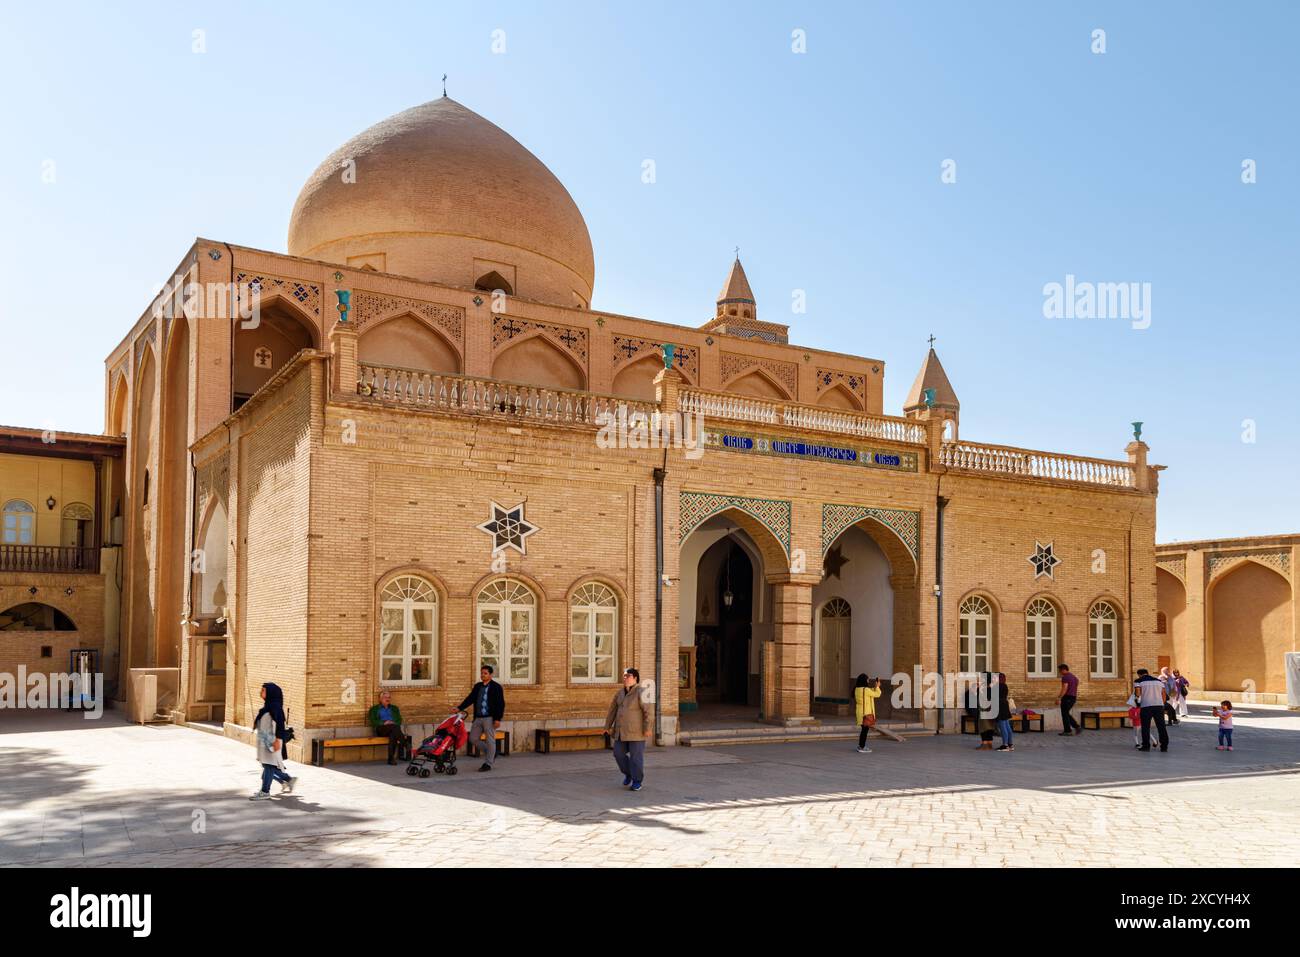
(85, 606)
(271, 549)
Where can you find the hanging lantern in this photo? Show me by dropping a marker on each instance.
(727, 596)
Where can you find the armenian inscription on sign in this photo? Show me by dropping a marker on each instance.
(777, 445)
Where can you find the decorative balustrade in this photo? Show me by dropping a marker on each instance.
(465, 394)
(742, 408)
(1001, 460)
(49, 558)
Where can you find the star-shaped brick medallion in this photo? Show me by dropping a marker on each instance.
(833, 562)
(508, 528)
(1043, 560)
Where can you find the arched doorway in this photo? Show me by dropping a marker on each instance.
(834, 634)
(870, 570)
(724, 625)
(727, 554)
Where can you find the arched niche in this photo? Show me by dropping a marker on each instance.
(839, 398)
(139, 641)
(637, 379)
(759, 385)
(1250, 629)
(408, 343)
(173, 510)
(1171, 605)
(282, 331)
(539, 362)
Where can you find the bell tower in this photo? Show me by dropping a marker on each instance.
(932, 396)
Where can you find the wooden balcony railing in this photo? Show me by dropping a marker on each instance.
(1003, 460)
(740, 408)
(466, 394)
(48, 558)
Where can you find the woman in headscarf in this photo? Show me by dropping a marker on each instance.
(268, 729)
(982, 708)
(1171, 695)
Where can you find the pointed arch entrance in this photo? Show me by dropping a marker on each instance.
(869, 562)
(726, 613)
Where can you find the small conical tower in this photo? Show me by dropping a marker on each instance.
(932, 396)
(737, 312)
(736, 299)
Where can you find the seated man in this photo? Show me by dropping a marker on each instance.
(386, 719)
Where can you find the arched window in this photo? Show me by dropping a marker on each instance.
(593, 633)
(19, 523)
(1162, 623)
(1040, 638)
(1103, 628)
(491, 282)
(507, 630)
(34, 616)
(408, 631)
(975, 632)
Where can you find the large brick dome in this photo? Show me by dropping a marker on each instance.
(439, 193)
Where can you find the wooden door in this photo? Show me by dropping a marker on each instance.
(833, 649)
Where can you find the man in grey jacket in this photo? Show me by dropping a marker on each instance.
(630, 726)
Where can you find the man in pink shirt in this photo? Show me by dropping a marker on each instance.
(1068, 696)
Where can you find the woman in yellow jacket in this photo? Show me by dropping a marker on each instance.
(865, 694)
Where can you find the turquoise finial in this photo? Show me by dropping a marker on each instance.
(345, 303)
(669, 350)
(1137, 431)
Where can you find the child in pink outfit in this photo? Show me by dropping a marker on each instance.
(1224, 713)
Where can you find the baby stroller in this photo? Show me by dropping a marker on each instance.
(440, 748)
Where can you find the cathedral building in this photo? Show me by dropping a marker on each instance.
(410, 445)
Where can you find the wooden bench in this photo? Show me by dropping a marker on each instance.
(1023, 723)
(1104, 714)
(1020, 723)
(320, 747)
(503, 745)
(543, 737)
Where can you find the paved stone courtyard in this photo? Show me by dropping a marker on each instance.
(74, 792)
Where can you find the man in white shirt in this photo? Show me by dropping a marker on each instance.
(1151, 694)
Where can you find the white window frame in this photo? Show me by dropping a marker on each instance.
(974, 610)
(507, 597)
(1103, 617)
(588, 603)
(19, 532)
(1040, 612)
(409, 594)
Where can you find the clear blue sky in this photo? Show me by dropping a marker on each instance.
(823, 167)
